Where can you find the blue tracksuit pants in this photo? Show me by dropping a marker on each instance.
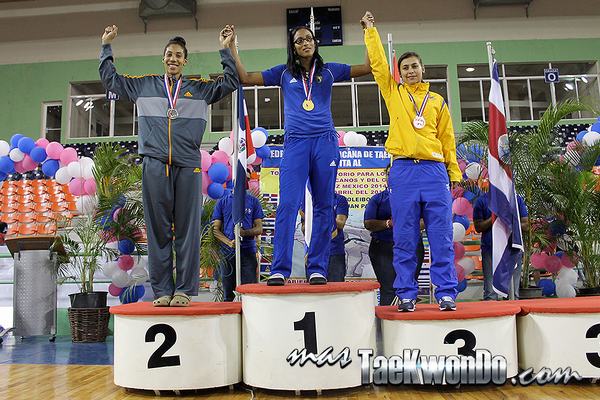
(314, 159)
(422, 190)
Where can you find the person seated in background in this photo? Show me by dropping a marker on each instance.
(223, 226)
(3, 230)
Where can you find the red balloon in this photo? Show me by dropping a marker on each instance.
(553, 264)
(459, 250)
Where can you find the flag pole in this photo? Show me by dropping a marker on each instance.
(235, 124)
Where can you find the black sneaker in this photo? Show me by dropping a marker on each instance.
(407, 305)
(317, 279)
(276, 280)
(447, 304)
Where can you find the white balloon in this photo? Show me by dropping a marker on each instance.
(251, 159)
(468, 265)
(139, 275)
(75, 169)
(109, 269)
(473, 170)
(86, 204)
(568, 275)
(120, 278)
(361, 140)
(86, 161)
(62, 176)
(87, 171)
(591, 138)
(458, 232)
(565, 291)
(226, 145)
(259, 139)
(4, 148)
(351, 139)
(16, 155)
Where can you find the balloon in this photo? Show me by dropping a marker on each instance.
(125, 262)
(54, 150)
(2, 176)
(580, 136)
(460, 272)
(85, 204)
(220, 157)
(42, 142)
(464, 221)
(459, 250)
(67, 156)
(215, 190)
(461, 206)
(457, 192)
(4, 148)
(19, 167)
(226, 145)
(538, 260)
(462, 285)
(139, 274)
(74, 168)
(462, 164)
(553, 264)
(568, 275)
(591, 138)
(218, 172)
(257, 161)
(49, 167)
(205, 160)
(263, 152)
(565, 291)
(126, 246)
(467, 264)
(38, 154)
(259, 138)
(89, 186)
(205, 182)
(87, 171)
(14, 140)
(76, 187)
(114, 290)
(351, 139)
(566, 261)
(109, 269)
(251, 158)
(548, 287)
(26, 144)
(7, 165)
(120, 278)
(473, 170)
(458, 232)
(28, 163)
(62, 176)
(254, 184)
(115, 214)
(341, 135)
(16, 155)
(595, 127)
(361, 140)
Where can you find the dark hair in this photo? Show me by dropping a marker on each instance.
(293, 63)
(408, 54)
(177, 40)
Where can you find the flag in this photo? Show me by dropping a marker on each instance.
(396, 73)
(507, 239)
(243, 135)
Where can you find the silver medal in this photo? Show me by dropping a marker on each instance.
(172, 113)
(419, 122)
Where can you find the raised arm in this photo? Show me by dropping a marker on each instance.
(376, 55)
(247, 78)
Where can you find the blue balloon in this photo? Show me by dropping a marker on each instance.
(26, 144)
(14, 140)
(215, 190)
(264, 152)
(218, 173)
(463, 220)
(2, 176)
(462, 285)
(128, 295)
(126, 246)
(580, 136)
(548, 287)
(259, 128)
(49, 167)
(596, 127)
(598, 162)
(139, 292)
(38, 154)
(7, 166)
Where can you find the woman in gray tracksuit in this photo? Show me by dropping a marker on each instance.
(172, 114)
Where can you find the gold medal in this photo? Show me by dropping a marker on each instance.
(308, 105)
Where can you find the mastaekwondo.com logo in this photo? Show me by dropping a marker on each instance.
(413, 368)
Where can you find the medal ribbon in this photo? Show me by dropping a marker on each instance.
(308, 87)
(419, 112)
(169, 88)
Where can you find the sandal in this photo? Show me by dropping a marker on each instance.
(180, 300)
(163, 301)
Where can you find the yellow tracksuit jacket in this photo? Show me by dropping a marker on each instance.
(435, 141)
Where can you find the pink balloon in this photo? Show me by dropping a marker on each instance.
(258, 161)
(538, 260)
(19, 167)
(125, 262)
(89, 186)
(553, 264)
(76, 186)
(220, 156)
(461, 206)
(205, 182)
(205, 160)
(116, 213)
(114, 290)
(67, 156)
(28, 163)
(230, 174)
(462, 165)
(54, 150)
(566, 261)
(460, 272)
(254, 184)
(459, 250)
(341, 135)
(42, 142)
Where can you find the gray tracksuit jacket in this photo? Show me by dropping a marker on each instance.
(174, 142)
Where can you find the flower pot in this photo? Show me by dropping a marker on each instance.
(588, 292)
(88, 300)
(532, 292)
(89, 325)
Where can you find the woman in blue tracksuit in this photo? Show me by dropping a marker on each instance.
(310, 149)
(172, 114)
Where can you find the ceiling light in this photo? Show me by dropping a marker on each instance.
(584, 79)
(469, 69)
(569, 86)
(79, 102)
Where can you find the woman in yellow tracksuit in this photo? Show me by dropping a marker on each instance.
(421, 142)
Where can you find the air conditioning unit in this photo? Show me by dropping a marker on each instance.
(167, 8)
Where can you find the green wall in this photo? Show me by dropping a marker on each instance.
(26, 86)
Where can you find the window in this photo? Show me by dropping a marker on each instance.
(51, 120)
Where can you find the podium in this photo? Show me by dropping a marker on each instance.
(560, 333)
(303, 337)
(484, 326)
(177, 348)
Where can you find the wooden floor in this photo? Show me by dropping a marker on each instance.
(25, 381)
